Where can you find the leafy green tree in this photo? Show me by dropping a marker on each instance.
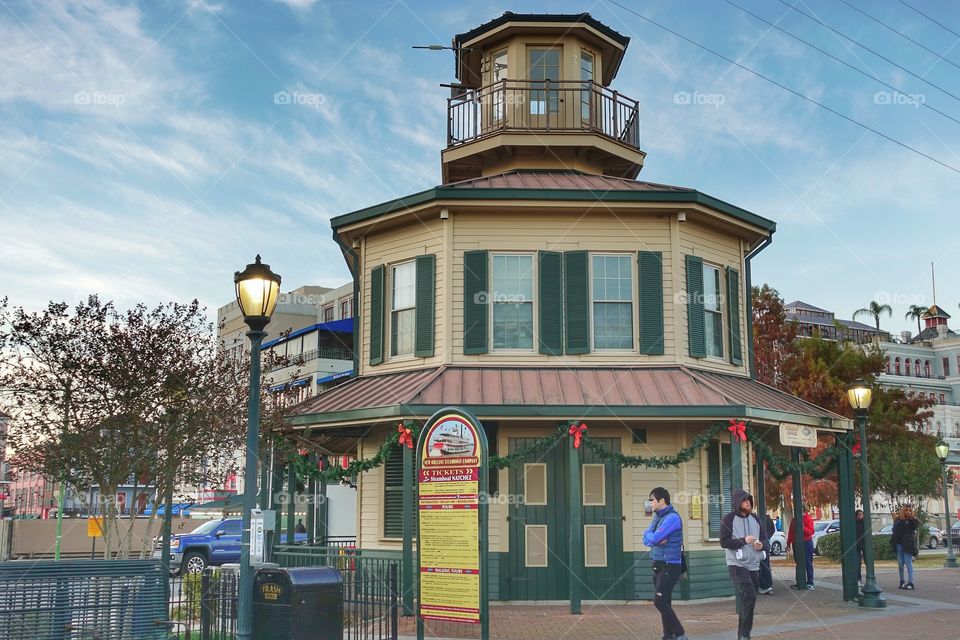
(915, 312)
(876, 310)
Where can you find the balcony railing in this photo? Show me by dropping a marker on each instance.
(323, 353)
(926, 376)
(545, 107)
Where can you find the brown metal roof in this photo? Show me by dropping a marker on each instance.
(667, 387)
(527, 179)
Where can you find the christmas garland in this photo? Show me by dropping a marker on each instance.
(407, 432)
(780, 467)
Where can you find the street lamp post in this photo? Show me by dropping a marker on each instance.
(258, 289)
(943, 450)
(859, 394)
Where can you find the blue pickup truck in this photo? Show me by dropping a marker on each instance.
(211, 544)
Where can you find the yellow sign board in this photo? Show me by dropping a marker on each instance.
(449, 521)
(95, 527)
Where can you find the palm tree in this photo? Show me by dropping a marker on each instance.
(916, 312)
(875, 309)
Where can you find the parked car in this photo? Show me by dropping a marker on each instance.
(955, 533)
(213, 543)
(933, 540)
(821, 528)
(778, 542)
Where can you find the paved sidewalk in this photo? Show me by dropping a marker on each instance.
(931, 611)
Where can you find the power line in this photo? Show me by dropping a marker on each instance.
(902, 35)
(944, 27)
(866, 48)
(788, 89)
(843, 62)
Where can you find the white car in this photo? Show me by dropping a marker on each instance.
(821, 528)
(778, 542)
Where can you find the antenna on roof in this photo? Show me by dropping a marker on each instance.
(933, 279)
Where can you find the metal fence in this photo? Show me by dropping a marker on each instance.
(371, 587)
(115, 599)
(203, 606)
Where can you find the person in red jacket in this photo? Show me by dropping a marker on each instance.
(807, 543)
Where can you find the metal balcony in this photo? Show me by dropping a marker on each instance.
(547, 106)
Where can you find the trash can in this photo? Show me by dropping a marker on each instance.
(297, 604)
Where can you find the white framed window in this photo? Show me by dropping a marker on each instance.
(612, 294)
(594, 485)
(712, 311)
(535, 545)
(511, 299)
(586, 92)
(594, 545)
(535, 483)
(543, 64)
(403, 278)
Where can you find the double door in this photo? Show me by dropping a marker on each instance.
(539, 528)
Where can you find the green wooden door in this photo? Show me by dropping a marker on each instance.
(605, 571)
(537, 562)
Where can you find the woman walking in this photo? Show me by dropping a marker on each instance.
(904, 541)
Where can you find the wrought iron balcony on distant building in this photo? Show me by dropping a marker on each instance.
(525, 106)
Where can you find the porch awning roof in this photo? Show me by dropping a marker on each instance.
(653, 392)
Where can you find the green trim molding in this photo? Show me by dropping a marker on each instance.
(553, 195)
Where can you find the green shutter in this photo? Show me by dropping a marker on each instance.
(651, 302)
(476, 303)
(719, 485)
(733, 315)
(577, 299)
(426, 308)
(376, 315)
(695, 329)
(393, 496)
(551, 302)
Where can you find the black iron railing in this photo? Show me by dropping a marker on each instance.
(203, 606)
(370, 587)
(543, 106)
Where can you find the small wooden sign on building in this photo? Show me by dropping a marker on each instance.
(798, 435)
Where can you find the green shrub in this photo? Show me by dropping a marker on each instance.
(830, 548)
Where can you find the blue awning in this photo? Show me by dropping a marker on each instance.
(302, 382)
(336, 376)
(335, 326)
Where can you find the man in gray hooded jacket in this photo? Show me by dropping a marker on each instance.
(746, 543)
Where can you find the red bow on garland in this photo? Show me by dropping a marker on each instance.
(302, 452)
(856, 449)
(739, 429)
(406, 436)
(577, 432)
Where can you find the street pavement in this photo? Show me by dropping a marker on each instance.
(931, 611)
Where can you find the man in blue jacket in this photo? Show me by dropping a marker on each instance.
(665, 539)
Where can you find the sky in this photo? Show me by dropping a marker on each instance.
(150, 149)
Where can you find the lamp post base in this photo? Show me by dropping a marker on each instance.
(951, 563)
(871, 597)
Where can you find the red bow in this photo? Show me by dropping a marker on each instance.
(406, 436)
(302, 452)
(577, 431)
(856, 449)
(739, 430)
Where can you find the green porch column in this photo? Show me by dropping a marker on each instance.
(409, 484)
(312, 501)
(799, 548)
(576, 530)
(850, 558)
(323, 508)
(291, 501)
(736, 465)
(761, 494)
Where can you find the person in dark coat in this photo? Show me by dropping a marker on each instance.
(664, 536)
(860, 535)
(745, 543)
(904, 541)
(766, 575)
